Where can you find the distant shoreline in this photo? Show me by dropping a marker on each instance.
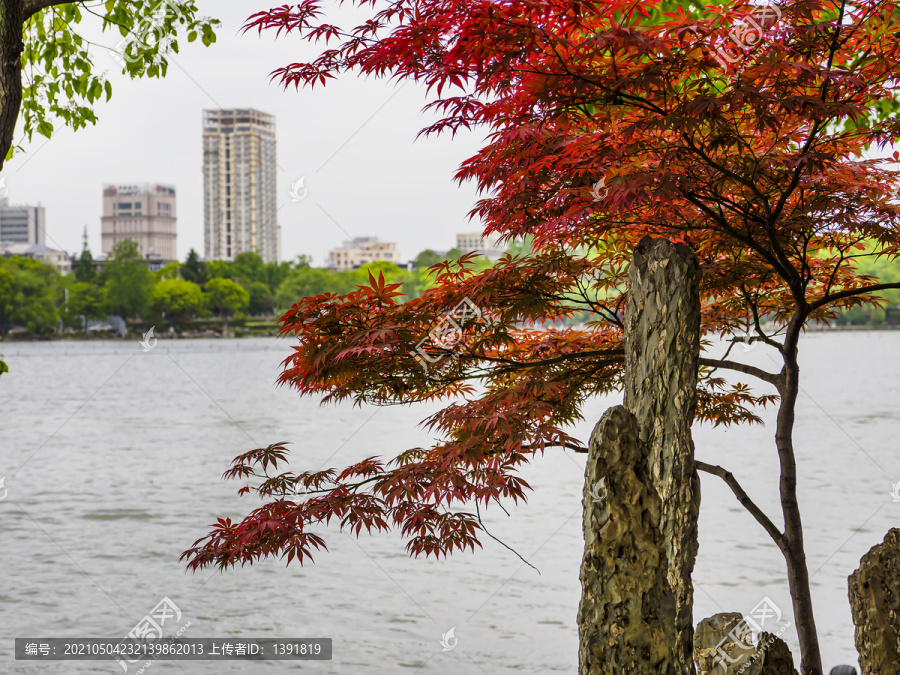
(233, 332)
(256, 332)
(863, 327)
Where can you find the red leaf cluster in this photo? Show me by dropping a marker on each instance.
(607, 121)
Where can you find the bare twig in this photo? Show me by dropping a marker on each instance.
(483, 527)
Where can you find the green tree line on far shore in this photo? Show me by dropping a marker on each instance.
(36, 297)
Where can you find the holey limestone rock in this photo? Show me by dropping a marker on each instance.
(662, 352)
(641, 539)
(626, 616)
(875, 604)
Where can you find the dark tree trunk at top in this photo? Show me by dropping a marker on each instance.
(662, 352)
(11, 45)
(635, 616)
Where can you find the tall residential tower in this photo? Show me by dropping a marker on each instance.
(144, 212)
(239, 180)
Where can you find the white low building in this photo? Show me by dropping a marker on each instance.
(51, 256)
(361, 251)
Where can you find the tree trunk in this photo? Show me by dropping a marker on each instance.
(662, 352)
(11, 45)
(793, 549)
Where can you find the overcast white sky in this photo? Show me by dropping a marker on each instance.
(354, 140)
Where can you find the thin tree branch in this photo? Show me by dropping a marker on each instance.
(565, 445)
(849, 293)
(763, 375)
(744, 499)
(483, 527)
(754, 308)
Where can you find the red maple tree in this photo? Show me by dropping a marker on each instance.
(608, 121)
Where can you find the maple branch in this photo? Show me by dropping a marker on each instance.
(754, 308)
(764, 375)
(617, 94)
(838, 24)
(744, 499)
(515, 365)
(598, 308)
(725, 171)
(849, 293)
(349, 486)
(834, 272)
(748, 240)
(779, 207)
(731, 345)
(567, 445)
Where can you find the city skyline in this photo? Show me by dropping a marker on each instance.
(354, 144)
(157, 242)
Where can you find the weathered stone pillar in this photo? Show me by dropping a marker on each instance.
(662, 352)
(641, 493)
(626, 614)
(875, 605)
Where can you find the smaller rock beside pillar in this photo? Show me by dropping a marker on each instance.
(875, 605)
(776, 657)
(720, 648)
(715, 648)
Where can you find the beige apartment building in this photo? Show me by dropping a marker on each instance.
(144, 212)
(488, 246)
(239, 182)
(360, 251)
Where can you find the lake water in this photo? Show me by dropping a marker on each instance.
(113, 460)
